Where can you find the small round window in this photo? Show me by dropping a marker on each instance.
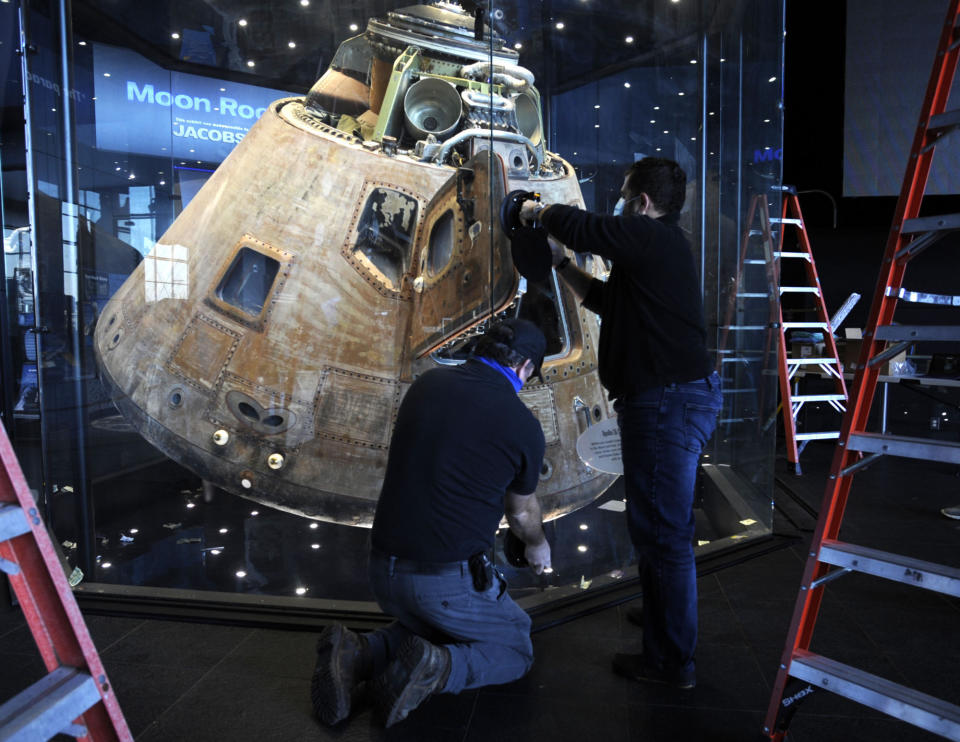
(440, 248)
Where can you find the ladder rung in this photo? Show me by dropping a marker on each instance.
(896, 567)
(808, 325)
(913, 448)
(802, 255)
(817, 436)
(747, 327)
(13, 522)
(944, 120)
(943, 333)
(753, 295)
(942, 223)
(754, 261)
(48, 706)
(895, 700)
(737, 391)
(817, 397)
(811, 360)
(778, 220)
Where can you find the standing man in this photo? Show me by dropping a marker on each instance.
(654, 363)
(464, 451)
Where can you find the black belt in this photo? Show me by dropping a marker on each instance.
(399, 564)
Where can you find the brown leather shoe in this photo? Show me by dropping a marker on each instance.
(342, 662)
(418, 670)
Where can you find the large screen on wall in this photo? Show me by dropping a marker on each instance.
(889, 55)
(143, 108)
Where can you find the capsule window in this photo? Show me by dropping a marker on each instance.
(441, 243)
(385, 230)
(247, 282)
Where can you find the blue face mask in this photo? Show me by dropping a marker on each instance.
(618, 207)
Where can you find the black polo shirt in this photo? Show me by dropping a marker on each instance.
(652, 330)
(461, 440)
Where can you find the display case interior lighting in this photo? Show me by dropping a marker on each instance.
(354, 27)
(584, 527)
(314, 526)
(305, 3)
(628, 40)
(251, 63)
(582, 548)
(314, 546)
(560, 25)
(518, 46)
(301, 591)
(242, 22)
(174, 35)
(240, 573)
(292, 44)
(626, 85)
(772, 79)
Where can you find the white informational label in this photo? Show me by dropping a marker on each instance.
(599, 447)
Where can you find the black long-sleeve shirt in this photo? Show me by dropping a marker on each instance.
(652, 331)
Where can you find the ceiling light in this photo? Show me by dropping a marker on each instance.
(314, 546)
(772, 79)
(665, 131)
(292, 44)
(304, 3)
(626, 85)
(693, 61)
(581, 548)
(254, 512)
(82, 43)
(354, 27)
(174, 35)
(163, 182)
(584, 526)
(301, 590)
(242, 22)
(518, 45)
(766, 121)
(134, 530)
(653, 121)
(240, 573)
(559, 25)
(223, 530)
(191, 505)
(596, 106)
(596, 126)
(314, 526)
(251, 63)
(106, 565)
(680, 93)
(215, 552)
(656, 108)
(106, 74)
(629, 39)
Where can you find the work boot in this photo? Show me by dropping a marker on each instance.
(418, 670)
(635, 667)
(343, 661)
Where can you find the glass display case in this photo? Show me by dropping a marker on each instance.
(233, 237)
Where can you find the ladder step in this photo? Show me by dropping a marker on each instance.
(920, 297)
(895, 700)
(800, 290)
(747, 327)
(754, 261)
(818, 361)
(779, 220)
(754, 295)
(912, 448)
(802, 255)
(818, 436)
(943, 223)
(13, 522)
(817, 397)
(944, 120)
(896, 567)
(48, 706)
(942, 333)
(805, 325)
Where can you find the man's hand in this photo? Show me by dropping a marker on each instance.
(538, 556)
(557, 251)
(530, 212)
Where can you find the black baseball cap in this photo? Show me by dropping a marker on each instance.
(528, 340)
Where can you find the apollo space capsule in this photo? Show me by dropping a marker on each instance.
(348, 244)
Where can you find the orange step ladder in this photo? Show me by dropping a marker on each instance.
(76, 697)
(828, 362)
(856, 448)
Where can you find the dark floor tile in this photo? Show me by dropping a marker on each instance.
(728, 677)
(935, 672)
(773, 576)
(817, 728)
(11, 620)
(287, 654)
(146, 694)
(107, 630)
(670, 724)
(568, 665)
(18, 640)
(19, 672)
(506, 718)
(176, 644)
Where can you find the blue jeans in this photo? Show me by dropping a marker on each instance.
(488, 635)
(663, 431)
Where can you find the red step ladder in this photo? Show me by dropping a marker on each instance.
(857, 448)
(76, 698)
(827, 362)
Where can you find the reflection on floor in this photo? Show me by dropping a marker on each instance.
(204, 682)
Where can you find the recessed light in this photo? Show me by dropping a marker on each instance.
(251, 63)
(82, 43)
(772, 79)
(518, 45)
(106, 74)
(560, 25)
(314, 526)
(582, 548)
(174, 35)
(354, 27)
(596, 106)
(680, 93)
(304, 3)
(240, 573)
(629, 40)
(301, 590)
(292, 44)
(242, 22)
(626, 85)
